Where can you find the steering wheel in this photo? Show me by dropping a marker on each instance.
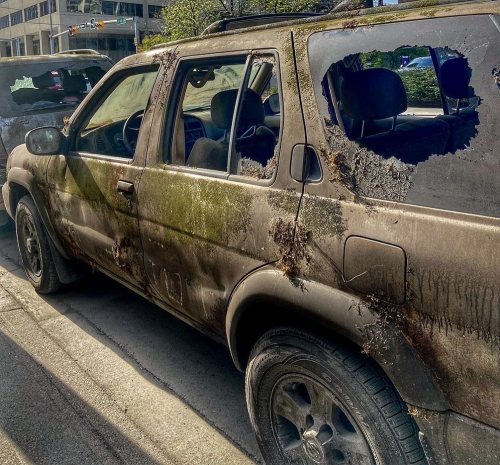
(131, 131)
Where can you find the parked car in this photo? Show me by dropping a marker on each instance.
(268, 189)
(418, 63)
(39, 91)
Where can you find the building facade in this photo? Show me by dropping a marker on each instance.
(26, 25)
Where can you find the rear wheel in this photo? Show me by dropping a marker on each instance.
(34, 248)
(311, 403)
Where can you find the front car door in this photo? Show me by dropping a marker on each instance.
(216, 191)
(93, 188)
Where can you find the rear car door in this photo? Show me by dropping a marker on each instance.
(415, 222)
(216, 191)
(93, 188)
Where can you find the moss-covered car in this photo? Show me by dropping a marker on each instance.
(289, 191)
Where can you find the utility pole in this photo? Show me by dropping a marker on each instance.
(51, 38)
(136, 35)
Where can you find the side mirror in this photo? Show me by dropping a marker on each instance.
(44, 141)
(305, 165)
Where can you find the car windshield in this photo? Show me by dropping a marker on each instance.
(42, 86)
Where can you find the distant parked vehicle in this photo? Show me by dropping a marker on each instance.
(418, 63)
(40, 91)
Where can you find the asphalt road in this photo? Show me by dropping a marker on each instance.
(97, 375)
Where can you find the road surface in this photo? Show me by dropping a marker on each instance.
(97, 375)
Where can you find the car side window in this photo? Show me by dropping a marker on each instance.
(206, 96)
(423, 134)
(112, 127)
(227, 106)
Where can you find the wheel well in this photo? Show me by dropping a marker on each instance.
(257, 318)
(18, 192)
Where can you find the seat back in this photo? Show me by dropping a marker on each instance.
(259, 145)
(376, 94)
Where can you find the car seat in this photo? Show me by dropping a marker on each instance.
(256, 142)
(377, 93)
(454, 77)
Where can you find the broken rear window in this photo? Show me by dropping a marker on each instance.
(414, 121)
(47, 86)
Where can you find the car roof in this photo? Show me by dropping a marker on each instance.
(419, 9)
(56, 58)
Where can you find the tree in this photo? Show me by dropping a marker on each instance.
(187, 18)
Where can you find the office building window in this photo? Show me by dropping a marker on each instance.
(44, 7)
(154, 11)
(16, 18)
(31, 13)
(4, 22)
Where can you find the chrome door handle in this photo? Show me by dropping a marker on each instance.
(125, 187)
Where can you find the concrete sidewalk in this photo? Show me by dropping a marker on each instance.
(68, 396)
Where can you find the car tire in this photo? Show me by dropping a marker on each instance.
(313, 402)
(34, 248)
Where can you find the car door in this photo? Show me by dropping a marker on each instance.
(93, 187)
(415, 222)
(208, 218)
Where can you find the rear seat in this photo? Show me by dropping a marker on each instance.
(375, 94)
(454, 77)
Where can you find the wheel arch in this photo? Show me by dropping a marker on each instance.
(21, 183)
(266, 299)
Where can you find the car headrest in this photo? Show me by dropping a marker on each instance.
(372, 94)
(454, 77)
(223, 103)
(75, 84)
(94, 73)
(44, 81)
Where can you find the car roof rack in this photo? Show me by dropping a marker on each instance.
(79, 51)
(242, 22)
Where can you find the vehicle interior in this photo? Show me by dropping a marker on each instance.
(60, 86)
(409, 114)
(204, 120)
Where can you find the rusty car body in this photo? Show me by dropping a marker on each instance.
(356, 265)
(47, 100)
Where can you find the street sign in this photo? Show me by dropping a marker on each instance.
(93, 24)
(121, 21)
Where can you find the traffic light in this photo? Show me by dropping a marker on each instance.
(99, 24)
(72, 30)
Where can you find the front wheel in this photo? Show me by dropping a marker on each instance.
(311, 402)
(34, 248)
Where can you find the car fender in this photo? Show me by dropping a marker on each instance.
(25, 179)
(332, 312)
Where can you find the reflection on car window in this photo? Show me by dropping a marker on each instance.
(113, 126)
(129, 96)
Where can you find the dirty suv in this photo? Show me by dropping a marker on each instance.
(290, 192)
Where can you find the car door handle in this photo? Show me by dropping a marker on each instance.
(125, 187)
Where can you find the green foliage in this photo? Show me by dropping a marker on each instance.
(422, 88)
(151, 40)
(187, 18)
